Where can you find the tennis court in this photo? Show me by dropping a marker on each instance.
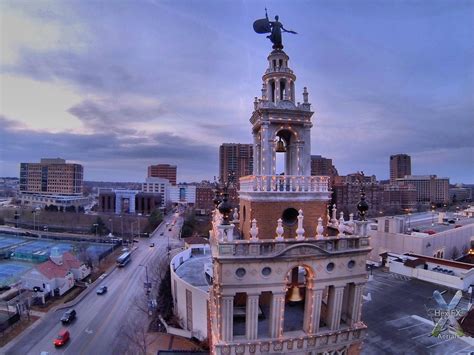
(36, 251)
(7, 242)
(10, 271)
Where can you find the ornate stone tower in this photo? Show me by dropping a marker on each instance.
(281, 126)
(280, 284)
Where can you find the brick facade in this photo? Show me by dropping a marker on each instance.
(267, 213)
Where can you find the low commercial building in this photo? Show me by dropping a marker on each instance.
(460, 193)
(448, 273)
(128, 201)
(420, 234)
(57, 275)
(60, 201)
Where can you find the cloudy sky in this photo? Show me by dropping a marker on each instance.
(119, 85)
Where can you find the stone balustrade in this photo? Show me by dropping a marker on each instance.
(304, 343)
(284, 183)
(290, 247)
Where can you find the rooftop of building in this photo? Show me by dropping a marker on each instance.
(422, 177)
(416, 259)
(192, 271)
(196, 240)
(420, 223)
(406, 329)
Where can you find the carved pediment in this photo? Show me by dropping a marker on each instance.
(302, 250)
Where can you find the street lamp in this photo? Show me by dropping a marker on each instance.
(147, 284)
(432, 215)
(121, 224)
(35, 211)
(111, 225)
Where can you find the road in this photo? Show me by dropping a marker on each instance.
(96, 330)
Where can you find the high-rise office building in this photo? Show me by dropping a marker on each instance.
(51, 176)
(165, 171)
(429, 188)
(235, 158)
(321, 166)
(52, 182)
(400, 166)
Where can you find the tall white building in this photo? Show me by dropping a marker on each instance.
(158, 185)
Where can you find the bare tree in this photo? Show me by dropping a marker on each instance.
(133, 337)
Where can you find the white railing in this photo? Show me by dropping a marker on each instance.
(284, 183)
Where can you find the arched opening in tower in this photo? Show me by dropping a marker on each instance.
(285, 154)
(295, 300)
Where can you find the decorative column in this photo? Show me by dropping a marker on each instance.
(227, 318)
(277, 311)
(335, 306)
(356, 303)
(256, 153)
(305, 159)
(251, 319)
(277, 90)
(314, 296)
(266, 151)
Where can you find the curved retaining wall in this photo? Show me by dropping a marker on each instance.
(190, 302)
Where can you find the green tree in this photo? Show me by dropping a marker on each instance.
(154, 221)
(99, 226)
(189, 225)
(165, 299)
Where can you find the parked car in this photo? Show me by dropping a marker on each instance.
(68, 316)
(152, 245)
(162, 233)
(101, 290)
(62, 338)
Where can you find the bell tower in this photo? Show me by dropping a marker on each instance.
(280, 125)
(280, 283)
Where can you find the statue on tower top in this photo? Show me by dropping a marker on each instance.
(275, 28)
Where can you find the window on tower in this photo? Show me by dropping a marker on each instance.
(289, 216)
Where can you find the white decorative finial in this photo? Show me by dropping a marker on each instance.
(328, 216)
(319, 229)
(305, 95)
(254, 230)
(300, 229)
(334, 215)
(351, 219)
(279, 230)
(236, 214)
(264, 91)
(340, 227)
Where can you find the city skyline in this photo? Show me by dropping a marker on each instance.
(155, 82)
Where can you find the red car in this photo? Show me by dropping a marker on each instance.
(62, 338)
